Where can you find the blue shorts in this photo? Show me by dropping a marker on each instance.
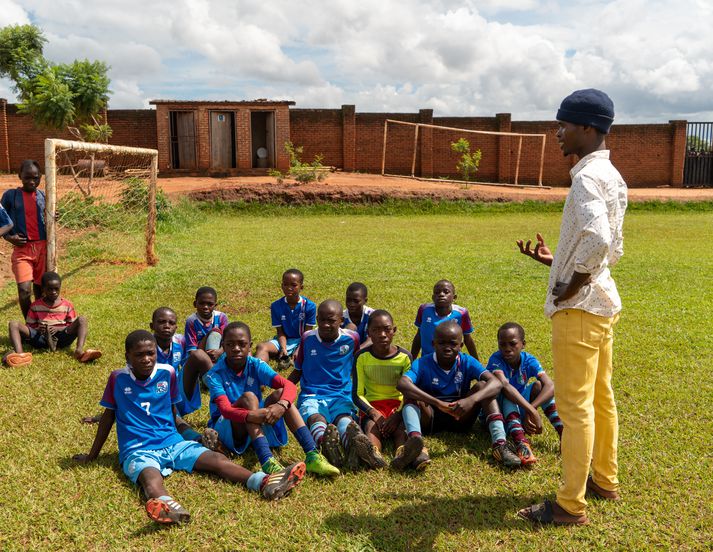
(330, 408)
(181, 456)
(276, 435)
(39, 340)
(188, 404)
(292, 344)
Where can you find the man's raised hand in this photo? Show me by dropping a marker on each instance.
(540, 253)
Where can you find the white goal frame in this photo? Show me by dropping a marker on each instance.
(51, 147)
(418, 126)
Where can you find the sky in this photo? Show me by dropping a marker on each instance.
(457, 57)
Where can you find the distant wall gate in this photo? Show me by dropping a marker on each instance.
(698, 168)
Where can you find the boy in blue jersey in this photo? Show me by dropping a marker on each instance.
(430, 315)
(526, 387)
(241, 417)
(205, 326)
(356, 315)
(292, 316)
(323, 367)
(440, 396)
(141, 398)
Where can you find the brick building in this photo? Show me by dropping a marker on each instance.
(241, 137)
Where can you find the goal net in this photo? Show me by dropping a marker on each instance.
(505, 157)
(101, 202)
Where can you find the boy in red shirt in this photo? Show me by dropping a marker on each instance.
(26, 208)
(51, 323)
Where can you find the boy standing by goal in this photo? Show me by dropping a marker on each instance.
(26, 207)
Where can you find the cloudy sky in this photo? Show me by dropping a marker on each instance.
(655, 58)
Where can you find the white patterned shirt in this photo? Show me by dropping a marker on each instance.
(591, 238)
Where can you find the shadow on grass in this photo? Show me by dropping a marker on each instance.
(417, 523)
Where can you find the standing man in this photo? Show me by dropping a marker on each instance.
(584, 305)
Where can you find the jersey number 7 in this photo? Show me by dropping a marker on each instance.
(146, 406)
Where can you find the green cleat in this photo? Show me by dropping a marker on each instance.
(272, 466)
(318, 465)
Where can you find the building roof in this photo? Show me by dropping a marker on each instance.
(262, 102)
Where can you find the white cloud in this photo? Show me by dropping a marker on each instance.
(456, 57)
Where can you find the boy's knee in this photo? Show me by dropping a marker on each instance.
(201, 360)
(314, 418)
(82, 321)
(248, 400)
(535, 390)
(24, 290)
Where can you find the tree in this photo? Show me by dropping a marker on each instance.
(55, 95)
(469, 162)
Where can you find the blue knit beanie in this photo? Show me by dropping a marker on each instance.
(588, 107)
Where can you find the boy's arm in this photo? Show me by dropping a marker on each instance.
(282, 340)
(410, 391)
(416, 344)
(509, 392)
(492, 388)
(105, 423)
(470, 345)
(547, 393)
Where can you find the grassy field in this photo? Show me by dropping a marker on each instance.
(662, 380)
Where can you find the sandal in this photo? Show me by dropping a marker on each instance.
(89, 355)
(13, 360)
(551, 513)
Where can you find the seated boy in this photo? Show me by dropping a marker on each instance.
(205, 326)
(141, 398)
(292, 316)
(51, 323)
(440, 396)
(526, 387)
(356, 315)
(430, 315)
(241, 417)
(323, 367)
(377, 369)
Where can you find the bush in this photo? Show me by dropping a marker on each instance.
(469, 162)
(304, 173)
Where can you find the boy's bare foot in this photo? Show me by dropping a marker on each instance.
(87, 356)
(17, 359)
(91, 419)
(51, 333)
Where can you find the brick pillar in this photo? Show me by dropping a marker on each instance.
(282, 135)
(349, 137)
(678, 152)
(163, 138)
(426, 136)
(243, 140)
(504, 147)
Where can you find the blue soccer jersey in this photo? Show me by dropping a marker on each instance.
(449, 385)
(174, 354)
(326, 367)
(361, 325)
(223, 380)
(427, 319)
(293, 321)
(529, 368)
(196, 329)
(144, 409)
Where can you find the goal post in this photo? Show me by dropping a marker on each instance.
(104, 197)
(407, 160)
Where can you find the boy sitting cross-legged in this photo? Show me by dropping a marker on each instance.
(292, 316)
(323, 367)
(51, 323)
(205, 326)
(141, 398)
(526, 387)
(377, 369)
(438, 388)
(240, 415)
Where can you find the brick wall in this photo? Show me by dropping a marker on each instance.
(646, 155)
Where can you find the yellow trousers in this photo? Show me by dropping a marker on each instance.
(582, 361)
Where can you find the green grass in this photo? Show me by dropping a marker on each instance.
(662, 380)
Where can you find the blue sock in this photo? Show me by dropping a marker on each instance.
(342, 424)
(412, 418)
(262, 449)
(212, 342)
(304, 438)
(497, 428)
(255, 481)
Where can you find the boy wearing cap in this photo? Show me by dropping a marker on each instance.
(584, 306)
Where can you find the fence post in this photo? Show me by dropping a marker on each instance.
(425, 116)
(678, 151)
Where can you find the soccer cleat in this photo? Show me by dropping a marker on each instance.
(318, 465)
(284, 363)
(272, 466)
(422, 460)
(210, 440)
(13, 360)
(525, 454)
(331, 447)
(503, 454)
(278, 485)
(359, 444)
(407, 453)
(166, 511)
